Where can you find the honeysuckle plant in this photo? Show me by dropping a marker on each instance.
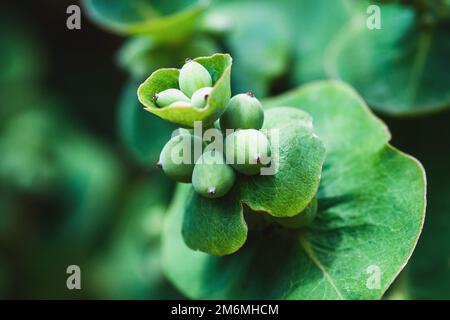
(293, 45)
(370, 211)
(315, 228)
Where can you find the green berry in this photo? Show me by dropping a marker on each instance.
(200, 97)
(212, 177)
(180, 104)
(244, 111)
(247, 151)
(169, 96)
(179, 155)
(193, 76)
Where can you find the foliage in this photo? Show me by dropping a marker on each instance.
(355, 220)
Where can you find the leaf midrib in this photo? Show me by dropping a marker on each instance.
(306, 245)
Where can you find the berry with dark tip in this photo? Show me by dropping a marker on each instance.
(200, 97)
(212, 177)
(179, 155)
(168, 97)
(246, 149)
(244, 111)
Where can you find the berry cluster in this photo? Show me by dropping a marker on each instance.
(245, 149)
(195, 83)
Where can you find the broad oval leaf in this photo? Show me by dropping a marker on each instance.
(258, 35)
(216, 226)
(400, 69)
(312, 34)
(218, 66)
(371, 209)
(165, 21)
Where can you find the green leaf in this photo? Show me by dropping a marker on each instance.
(299, 160)
(216, 226)
(289, 36)
(204, 221)
(371, 204)
(218, 66)
(400, 69)
(428, 275)
(258, 35)
(144, 135)
(315, 23)
(163, 20)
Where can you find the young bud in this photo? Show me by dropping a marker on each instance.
(179, 155)
(193, 76)
(245, 150)
(200, 97)
(212, 177)
(244, 111)
(168, 97)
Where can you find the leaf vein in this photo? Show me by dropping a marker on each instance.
(310, 253)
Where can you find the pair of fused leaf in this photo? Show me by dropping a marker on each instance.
(205, 81)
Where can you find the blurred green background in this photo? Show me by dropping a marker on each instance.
(70, 193)
(77, 153)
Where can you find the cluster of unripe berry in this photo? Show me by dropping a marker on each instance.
(195, 83)
(246, 149)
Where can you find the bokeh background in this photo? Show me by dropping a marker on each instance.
(77, 178)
